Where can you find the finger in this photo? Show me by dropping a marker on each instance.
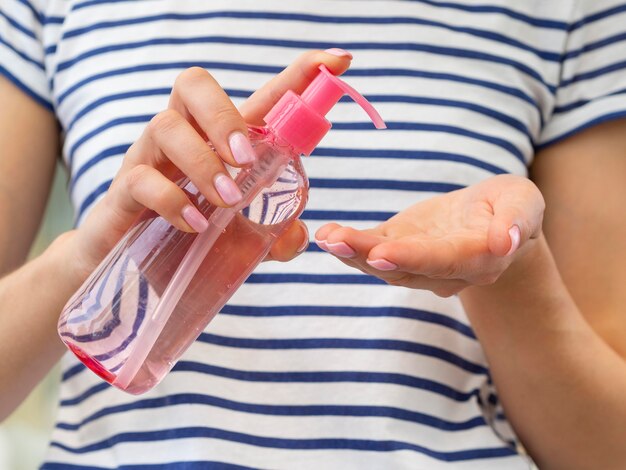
(518, 215)
(198, 97)
(170, 136)
(436, 258)
(296, 77)
(348, 242)
(145, 187)
(291, 243)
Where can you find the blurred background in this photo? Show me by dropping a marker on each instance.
(24, 435)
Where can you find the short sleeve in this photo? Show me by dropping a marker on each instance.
(22, 54)
(592, 87)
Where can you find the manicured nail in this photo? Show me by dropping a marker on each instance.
(322, 244)
(194, 218)
(227, 189)
(516, 236)
(382, 264)
(338, 52)
(242, 150)
(341, 249)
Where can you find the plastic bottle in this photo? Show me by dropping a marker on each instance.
(156, 291)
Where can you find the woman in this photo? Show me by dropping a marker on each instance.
(312, 364)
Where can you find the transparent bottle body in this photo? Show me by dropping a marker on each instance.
(103, 321)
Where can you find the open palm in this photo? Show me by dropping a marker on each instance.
(448, 242)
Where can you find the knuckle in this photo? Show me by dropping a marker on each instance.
(398, 281)
(135, 176)
(190, 76)
(226, 113)
(164, 122)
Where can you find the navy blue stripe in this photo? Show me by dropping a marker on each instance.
(22, 55)
(534, 21)
(233, 93)
(191, 465)
(428, 127)
(18, 25)
(424, 186)
(36, 14)
(355, 46)
(594, 73)
(282, 410)
(579, 104)
(300, 17)
(53, 20)
(340, 126)
(488, 9)
(303, 278)
(492, 113)
(596, 17)
(346, 311)
(302, 377)
(595, 45)
(272, 70)
(407, 154)
(91, 198)
(108, 125)
(593, 122)
(328, 377)
(367, 445)
(120, 150)
(101, 386)
(331, 311)
(72, 371)
(29, 92)
(116, 97)
(345, 343)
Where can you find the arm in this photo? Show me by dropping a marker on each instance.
(30, 145)
(554, 325)
(32, 297)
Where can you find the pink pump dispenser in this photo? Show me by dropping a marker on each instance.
(156, 291)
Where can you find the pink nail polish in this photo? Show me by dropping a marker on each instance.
(227, 189)
(194, 218)
(382, 264)
(341, 249)
(322, 244)
(338, 52)
(515, 236)
(242, 150)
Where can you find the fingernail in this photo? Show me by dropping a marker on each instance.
(382, 264)
(227, 189)
(341, 249)
(242, 150)
(338, 52)
(515, 236)
(304, 245)
(194, 218)
(322, 244)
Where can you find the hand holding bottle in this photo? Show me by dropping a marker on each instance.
(175, 141)
(446, 243)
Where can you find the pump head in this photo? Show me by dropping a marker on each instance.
(300, 120)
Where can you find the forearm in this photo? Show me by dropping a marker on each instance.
(561, 386)
(31, 299)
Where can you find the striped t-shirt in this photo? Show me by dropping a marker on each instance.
(313, 365)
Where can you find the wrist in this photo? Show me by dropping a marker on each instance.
(528, 295)
(64, 256)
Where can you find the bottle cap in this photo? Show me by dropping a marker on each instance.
(300, 120)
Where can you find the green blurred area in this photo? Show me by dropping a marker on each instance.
(24, 435)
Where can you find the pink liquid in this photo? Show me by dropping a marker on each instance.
(111, 313)
(231, 260)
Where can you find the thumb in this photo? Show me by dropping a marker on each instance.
(518, 215)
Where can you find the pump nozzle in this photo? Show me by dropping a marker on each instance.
(300, 119)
